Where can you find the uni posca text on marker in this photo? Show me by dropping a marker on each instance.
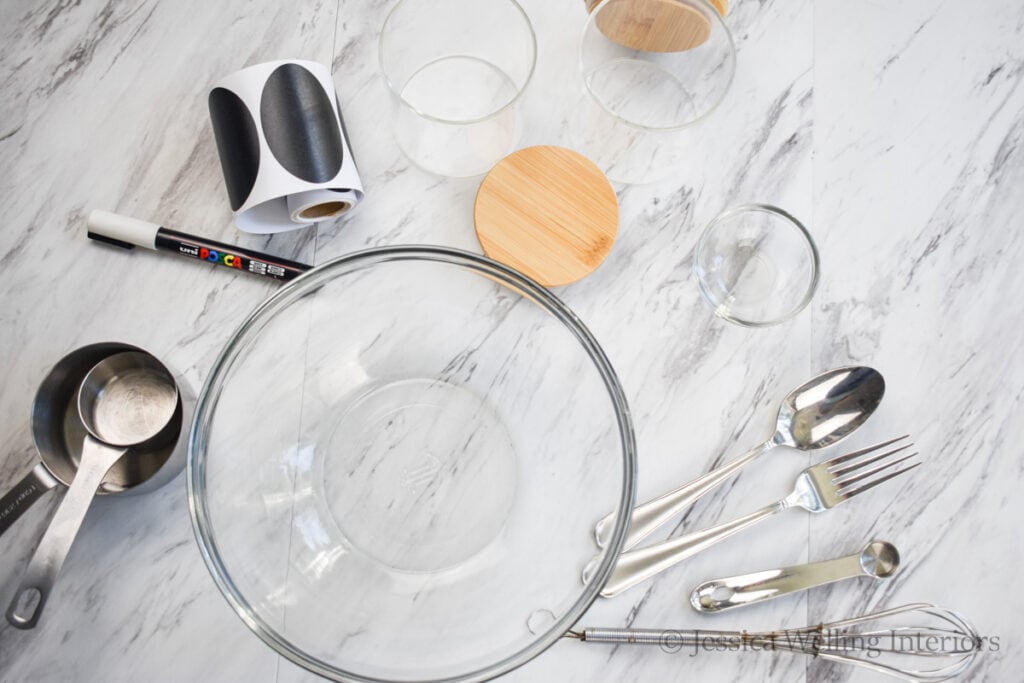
(187, 245)
(128, 233)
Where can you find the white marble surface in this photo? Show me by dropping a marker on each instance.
(894, 130)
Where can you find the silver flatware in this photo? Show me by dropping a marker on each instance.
(818, 413)
(878, 559)
(818, 488)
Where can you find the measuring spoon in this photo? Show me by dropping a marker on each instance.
(878, 559)
(127, 401)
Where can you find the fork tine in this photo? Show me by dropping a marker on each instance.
(841, 481)
(871, 485)
(864, 451)
(853, 467)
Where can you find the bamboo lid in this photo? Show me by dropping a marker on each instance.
(655, 25)
(721, 5)
(548, 212)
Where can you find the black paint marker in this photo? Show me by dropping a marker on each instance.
(122, 231)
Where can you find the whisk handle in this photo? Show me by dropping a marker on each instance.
(665, 638)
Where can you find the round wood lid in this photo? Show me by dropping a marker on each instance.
(721, 5)
(655, 25)
(548, 212)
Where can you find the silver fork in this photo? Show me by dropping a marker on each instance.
(818, 488)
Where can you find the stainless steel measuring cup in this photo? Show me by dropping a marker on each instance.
(128, 401)
(58, 435)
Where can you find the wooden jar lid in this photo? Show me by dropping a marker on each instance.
(721, 5)
(655, 25)
(548, 212)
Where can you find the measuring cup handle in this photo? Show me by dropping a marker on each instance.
(43, 568)
(27, 491)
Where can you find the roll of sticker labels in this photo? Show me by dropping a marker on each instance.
(283, 146)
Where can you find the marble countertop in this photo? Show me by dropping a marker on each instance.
(894, 130)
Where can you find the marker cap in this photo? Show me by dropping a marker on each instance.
(121, 230)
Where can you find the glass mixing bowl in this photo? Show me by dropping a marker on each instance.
(397, 462)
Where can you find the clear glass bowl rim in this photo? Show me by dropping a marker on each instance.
(309, 282)
(396, 91)
(718, 19)
(793, 222)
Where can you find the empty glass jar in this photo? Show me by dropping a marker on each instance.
(651, 69)
(457, 69)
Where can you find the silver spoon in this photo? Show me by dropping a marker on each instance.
(878, 560)
(127, 401)
(818, 413)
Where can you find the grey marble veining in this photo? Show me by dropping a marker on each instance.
(896, 132)
(917, 196)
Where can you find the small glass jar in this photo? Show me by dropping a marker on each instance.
(457, 69)
(651, 71)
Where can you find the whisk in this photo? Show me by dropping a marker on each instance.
(950, 642)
